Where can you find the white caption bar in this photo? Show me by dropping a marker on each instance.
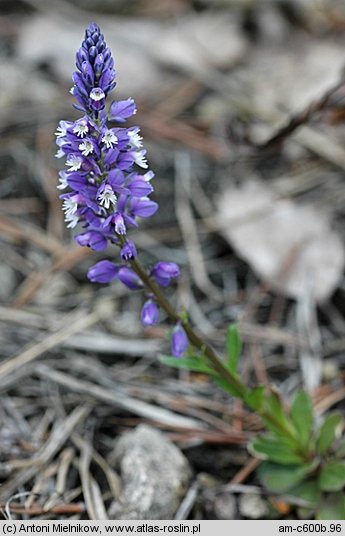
(202, 528)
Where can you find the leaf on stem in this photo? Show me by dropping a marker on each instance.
(279, 478)
(274, 418)
(190, 363)
(254, 398)
(332, 507)
(332, 476)
(228, 388)
(302, 416)
(308, 491)
(329, 431)
(233, 347)
(275, 450)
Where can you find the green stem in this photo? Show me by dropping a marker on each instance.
(207, 350)
(193, 337)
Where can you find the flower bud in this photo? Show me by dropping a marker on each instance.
(150, 313)
(93, 240)
(129, 278)
(128, 251)
(103, 272)
(179, 341)
(164, 272)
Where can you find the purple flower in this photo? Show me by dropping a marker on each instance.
(150, 313)
(164, 272)
(119, 224)
(97, 99)
(140, 188)
(122, 110)
(93, 240)
(129, 278)
(128, 251)
(179, 341)
(144, 207)
(103, 272)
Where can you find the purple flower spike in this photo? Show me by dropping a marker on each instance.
(106, 189)
(106, 185)
(164, 272)
(129, 278)
(150, 313)
(103, 272)
(179, 341)
(128, 251)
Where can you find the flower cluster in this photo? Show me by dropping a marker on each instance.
(107, 178)
(107, 190)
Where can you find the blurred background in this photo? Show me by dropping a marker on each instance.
(242, 109)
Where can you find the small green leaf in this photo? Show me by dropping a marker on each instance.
(332, 507)
(280, 478)
(329, 431)
(302, 416)
(233, 346)
(228, 388)
(190, 363)
(254, 398)
(332, 476)
(275, 450)
(278, 421)
(274, 404)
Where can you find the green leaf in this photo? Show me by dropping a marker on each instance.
(302, 416)
(332, 476)
(274, 449)
(329, 431)
(280, 478)
(332, 507)
(274, 404)
(228, 388)
(278, 421)
(309, 492)
(254, 398)
(191, 363)
(233, 346)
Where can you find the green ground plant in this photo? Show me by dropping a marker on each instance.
(303, 459)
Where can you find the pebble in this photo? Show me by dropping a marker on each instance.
(154, 472)
(225, 506)
(252, 506)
